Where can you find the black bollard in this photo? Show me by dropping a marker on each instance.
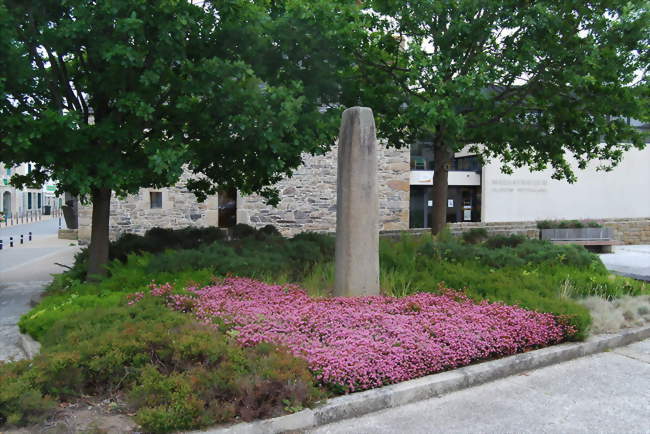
(30, 236)
(21, 238)
(0, 244)
(11, 241)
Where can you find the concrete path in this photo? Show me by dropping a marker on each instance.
(604, 393)
(45, 227)
(24, 272)
(631, 261)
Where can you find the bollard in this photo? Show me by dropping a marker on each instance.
(0, 244)
(11, 241)
(30, 236)
(21, 238)
(59, 222)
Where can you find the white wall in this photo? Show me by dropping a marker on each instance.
(525, 195)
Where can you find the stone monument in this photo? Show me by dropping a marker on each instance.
(357, 206)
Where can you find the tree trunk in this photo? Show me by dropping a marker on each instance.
(442, 156)
(98, 250)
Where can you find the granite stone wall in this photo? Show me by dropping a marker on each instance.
(134, 214)
(630, 231)
(308, 202)
(308, 198)
(626, 231)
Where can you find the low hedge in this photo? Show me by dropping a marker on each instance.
(567, 224)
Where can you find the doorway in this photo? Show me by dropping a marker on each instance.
(6, 204)
(463, 205)
(227, 200)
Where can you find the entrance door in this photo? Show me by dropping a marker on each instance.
(227, 208)
(6, 204)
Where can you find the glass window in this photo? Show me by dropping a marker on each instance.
(40, 200)
(422, 156)
(29, 201)
(469, 164)
(155, 198)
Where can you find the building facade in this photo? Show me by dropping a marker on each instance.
(308, 202)
(478, 195)
(18, 203)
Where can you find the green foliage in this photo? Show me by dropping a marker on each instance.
(252, 256)
(136, 91)
(499, 241)
(132, 113)
(176, 373)
(262, 254)
(69, 296)
(567, 224)
(241, 230)
(531, 82)
(534, 274)
(157, 240)
(475, 235)
(20, 403)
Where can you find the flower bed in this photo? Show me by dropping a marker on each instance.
(360, 343)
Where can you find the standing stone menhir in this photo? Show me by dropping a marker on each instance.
(357, 206)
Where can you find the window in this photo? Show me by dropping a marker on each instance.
(40, 201)
(155, 198)
(8, 171)
(29, 201)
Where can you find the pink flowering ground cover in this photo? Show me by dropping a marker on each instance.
(366, 342)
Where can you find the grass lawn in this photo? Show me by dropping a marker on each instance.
(193, 331)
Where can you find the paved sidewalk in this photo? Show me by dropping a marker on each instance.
(631, 261)
(604, 393)
(24, 273)
(40, 228)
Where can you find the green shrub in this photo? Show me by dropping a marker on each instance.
(251, 257)
(20, 402)
(177, 374)
(269, 231)
(499, 241)
(475, 235)
(241, 230)
(567, 224)
(534, 274)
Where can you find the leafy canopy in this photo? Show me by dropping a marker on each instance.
(527, 80)
(120, 94)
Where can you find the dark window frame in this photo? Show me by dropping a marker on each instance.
(155, 200)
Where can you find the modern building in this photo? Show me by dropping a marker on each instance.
(478, 195)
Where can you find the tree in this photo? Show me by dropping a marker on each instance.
(528, 81)
(115, 95)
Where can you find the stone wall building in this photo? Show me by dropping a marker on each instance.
(308, 198)
(308, 202)
(479, 195)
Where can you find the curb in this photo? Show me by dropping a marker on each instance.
(29, 346)
(370, 401)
